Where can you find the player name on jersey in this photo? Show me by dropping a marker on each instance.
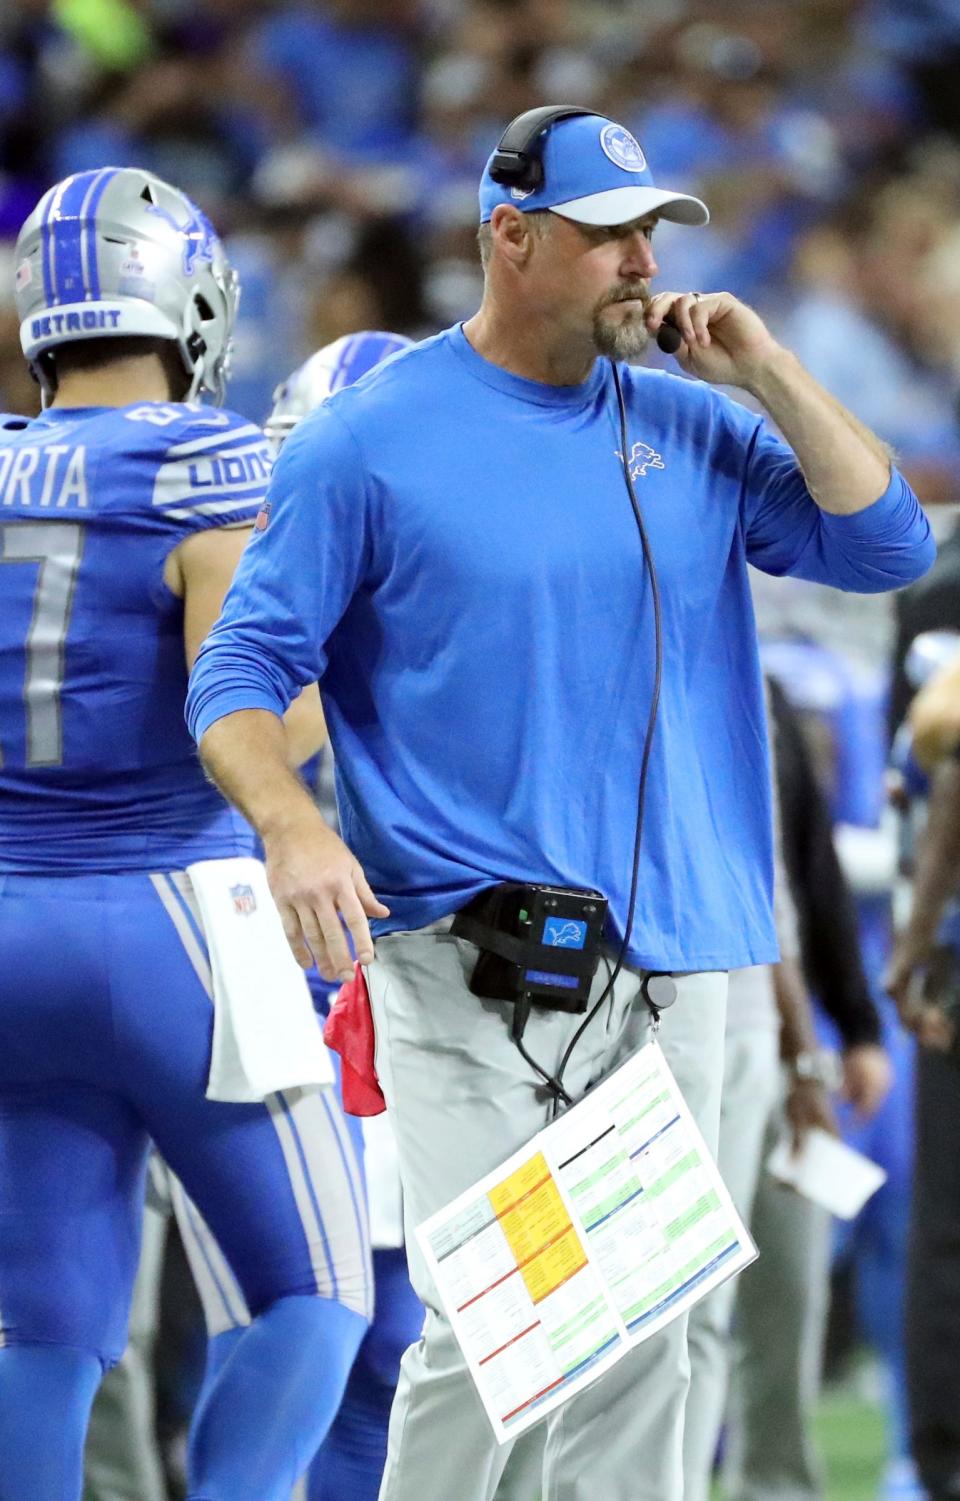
(52, 476)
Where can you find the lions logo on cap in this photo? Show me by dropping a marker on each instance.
(619, 145)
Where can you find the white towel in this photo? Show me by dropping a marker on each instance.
(381, 1166)
(266, 1034)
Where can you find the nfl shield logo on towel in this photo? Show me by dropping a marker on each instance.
(244, 901)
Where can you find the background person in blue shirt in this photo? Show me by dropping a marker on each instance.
(452, 552)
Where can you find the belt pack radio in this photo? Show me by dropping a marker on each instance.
(537, 943)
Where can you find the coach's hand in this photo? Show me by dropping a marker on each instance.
(320, 890)
(724, 341)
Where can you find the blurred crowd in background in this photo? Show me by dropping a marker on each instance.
(337, 146)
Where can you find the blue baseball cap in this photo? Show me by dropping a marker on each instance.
(595, 173)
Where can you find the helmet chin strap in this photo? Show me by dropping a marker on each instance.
(193, 351)
(44, 371)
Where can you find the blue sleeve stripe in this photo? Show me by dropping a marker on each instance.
(222, 439)
(245, 497)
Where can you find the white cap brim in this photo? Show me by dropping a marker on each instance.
(621, 205)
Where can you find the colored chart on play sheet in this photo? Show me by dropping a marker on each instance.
(609, 1224)
(538, 1228)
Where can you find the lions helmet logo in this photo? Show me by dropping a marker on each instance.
(198, 234)
(622, 149)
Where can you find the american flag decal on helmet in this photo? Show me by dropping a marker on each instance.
(244, 901)
(263, 516)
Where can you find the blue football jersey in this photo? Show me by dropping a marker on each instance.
(97, 770)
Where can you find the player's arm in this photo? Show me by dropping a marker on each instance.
(935, 716)
(291, 588)
(846, 466)
(318, 883)
(826, 505)
(199, 572)
(935, 882)
(808, 1103)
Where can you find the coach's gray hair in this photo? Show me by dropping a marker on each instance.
(538, 219)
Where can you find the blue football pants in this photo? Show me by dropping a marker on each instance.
(105, 1029)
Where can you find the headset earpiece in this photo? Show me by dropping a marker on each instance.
(517, 161)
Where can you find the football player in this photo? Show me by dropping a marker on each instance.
(123, 509)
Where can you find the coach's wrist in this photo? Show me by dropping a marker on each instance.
(768, 377)
(290, 818)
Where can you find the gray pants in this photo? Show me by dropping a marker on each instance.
(769, 1365)
(121, 1458)
(781, 1318)
(461, 1099)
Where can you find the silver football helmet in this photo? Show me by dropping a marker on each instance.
(120, 252)
(336, 365)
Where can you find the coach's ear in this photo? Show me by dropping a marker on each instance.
(513, 236)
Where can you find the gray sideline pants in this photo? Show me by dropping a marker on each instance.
(461, 1099)
(751, 1094)
(781, 1319)
(769, 1365)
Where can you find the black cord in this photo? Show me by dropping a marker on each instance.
(521, 1013)
(556, 1081)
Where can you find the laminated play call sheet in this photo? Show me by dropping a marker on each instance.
(611, 1222)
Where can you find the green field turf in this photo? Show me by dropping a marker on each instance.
(849, 1434)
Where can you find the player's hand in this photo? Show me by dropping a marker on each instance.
(904, 981)
(867, 1077)
(808, 1105)
(724, 341)
(320, 889)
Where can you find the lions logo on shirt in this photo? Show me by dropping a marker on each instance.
(622, 149)
(642, 458)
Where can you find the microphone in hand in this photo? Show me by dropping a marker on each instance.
(669, 337)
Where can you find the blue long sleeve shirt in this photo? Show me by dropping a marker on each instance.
(451, 551)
